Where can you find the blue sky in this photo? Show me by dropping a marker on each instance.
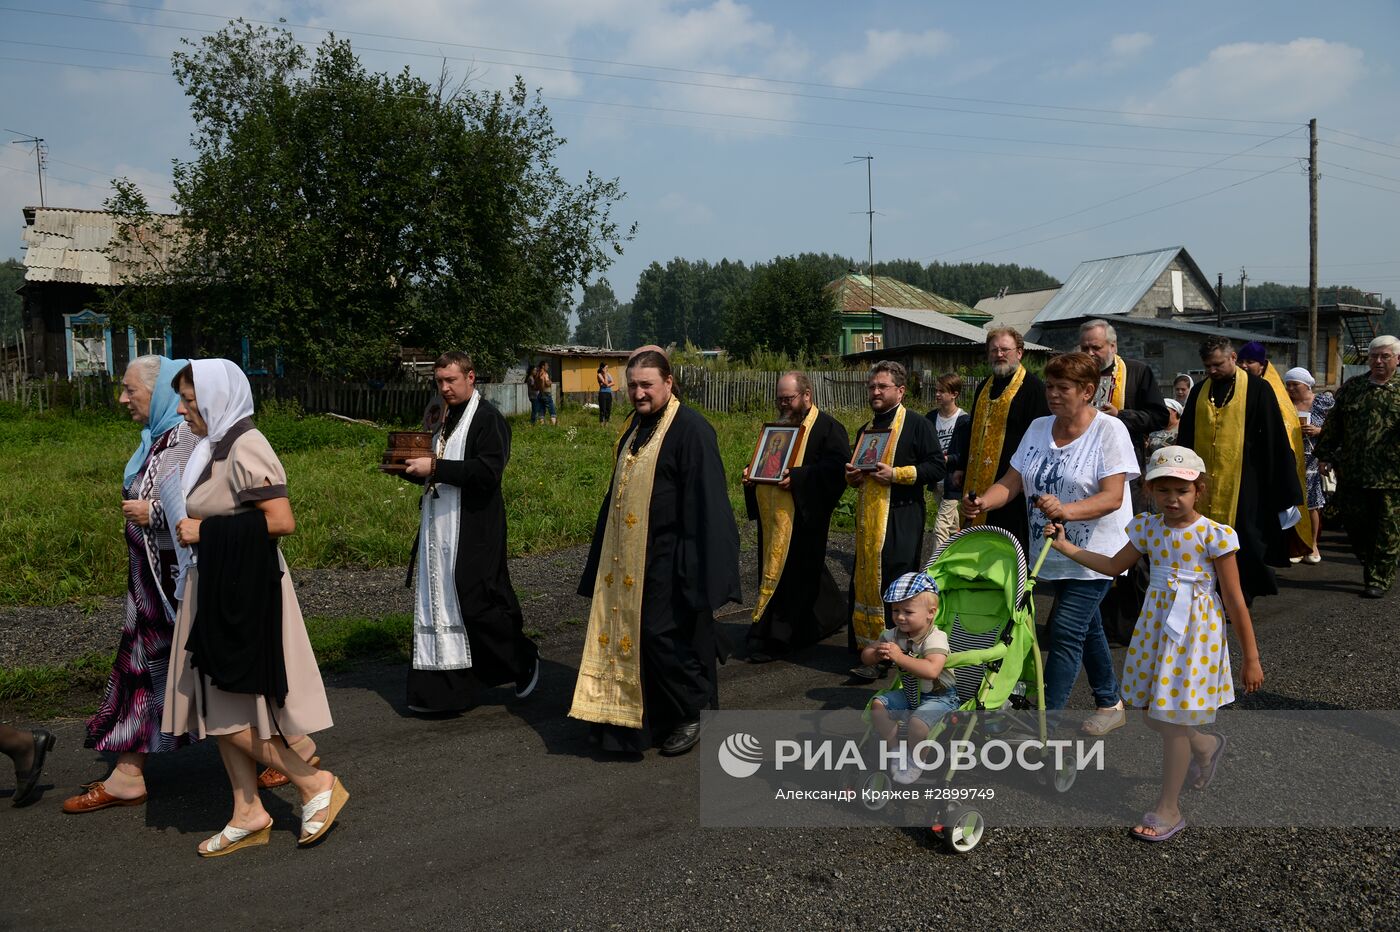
(1042, 134)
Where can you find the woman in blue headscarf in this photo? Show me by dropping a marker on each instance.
(128, 721)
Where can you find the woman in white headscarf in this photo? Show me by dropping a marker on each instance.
(231, 472)
(1312, 409)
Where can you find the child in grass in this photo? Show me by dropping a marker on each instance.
(920, 649)
(1178, 664)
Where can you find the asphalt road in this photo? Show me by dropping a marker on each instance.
(503, 818)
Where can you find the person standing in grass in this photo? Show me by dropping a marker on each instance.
(665, 557)
(127, 722)
(606, 384)
(468, 630)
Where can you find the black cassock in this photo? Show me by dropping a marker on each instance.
(904, 530)
(806, 606)
(1028, 405)
(501, 653)
(1268, 479)
(692, 568)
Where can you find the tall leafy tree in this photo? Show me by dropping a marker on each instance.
(336, 212)
(600, 318)
(786, 309)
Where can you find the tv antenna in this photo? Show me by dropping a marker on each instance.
(41, 152)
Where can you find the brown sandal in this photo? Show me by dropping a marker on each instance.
(271, 778)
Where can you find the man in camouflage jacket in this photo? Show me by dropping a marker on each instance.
(1361, 441)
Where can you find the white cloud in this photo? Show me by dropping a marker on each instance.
(1122, 50)
(1262, 80)
(883, 50)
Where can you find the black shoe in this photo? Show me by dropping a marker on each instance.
(758, 656)
(27, 781)
(685, 737)
(526, 686)
(1373, 592)
(872, 672)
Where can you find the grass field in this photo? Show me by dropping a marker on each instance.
(60, 494)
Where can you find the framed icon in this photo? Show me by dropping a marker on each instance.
(774, 452)
(870, 449)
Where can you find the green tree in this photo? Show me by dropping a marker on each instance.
(600, 318)
(786, 309)
(334, 212)
(11, 307)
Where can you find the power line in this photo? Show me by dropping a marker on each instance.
(1364, 184)
(1112, 200)
(1360, 172)
(866, 101)
(1384, 155)
(1152, 210)
(673, 69)
(751, 117)
(1378, 142)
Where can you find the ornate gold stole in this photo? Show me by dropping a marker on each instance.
(988, 435)
(1119, 394)
(1220, 442)
(609, 687)
(776, 513)
(872, 518)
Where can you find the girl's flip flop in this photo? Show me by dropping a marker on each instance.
(1194, 774)
(1150, 820)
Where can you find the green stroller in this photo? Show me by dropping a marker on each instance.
(986, 609)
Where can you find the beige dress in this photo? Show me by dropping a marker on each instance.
(244, 470)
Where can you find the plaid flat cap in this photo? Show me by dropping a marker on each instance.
(909, 585)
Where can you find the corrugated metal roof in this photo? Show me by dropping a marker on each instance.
(1203, 327)
(65, 245)
(959, 331)
(1016, 310)
(853, 296)
(1102, 287)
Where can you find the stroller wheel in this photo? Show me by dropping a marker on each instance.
(878, 783)
(963, 830)
(1064, 778)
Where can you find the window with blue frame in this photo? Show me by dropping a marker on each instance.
(148, 344)
(88, 343)
(260, 367)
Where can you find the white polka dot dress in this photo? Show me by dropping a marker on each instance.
(1178, 664)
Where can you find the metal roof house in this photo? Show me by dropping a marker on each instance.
(1160, 303)
(69, 256)
(930, 341)
(1015, 308)
(858, 299)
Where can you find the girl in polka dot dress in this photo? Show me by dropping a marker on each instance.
(1178, 664)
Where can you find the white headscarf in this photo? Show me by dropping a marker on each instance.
(224, 397)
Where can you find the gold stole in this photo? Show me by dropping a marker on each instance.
(1294, 428)
(1220, 442)
(609, 688)
(988, 435)
(1119, 393)
(872, 517)
(776, 512)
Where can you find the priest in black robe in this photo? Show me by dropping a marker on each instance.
(1002, 409)
(1254, 453)
(891, 506)
(474, 635)
(650, 661)
(798, 602)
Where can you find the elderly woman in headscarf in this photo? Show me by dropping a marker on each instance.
(1312, 409)
(128, 720)
(1165, 437)
(242, 667)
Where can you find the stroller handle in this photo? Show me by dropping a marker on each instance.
(1040, 561)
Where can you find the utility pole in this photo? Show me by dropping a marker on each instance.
(1244, 297)
(1312, 249)
(40, 151)
(1219, 299)
(870, 216)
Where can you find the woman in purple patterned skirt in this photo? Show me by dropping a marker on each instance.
(128, 720)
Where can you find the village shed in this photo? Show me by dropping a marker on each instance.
(931, 341)
(858, 300)
(70, 258)
(574, 368)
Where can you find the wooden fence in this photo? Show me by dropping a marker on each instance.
(744, 391)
